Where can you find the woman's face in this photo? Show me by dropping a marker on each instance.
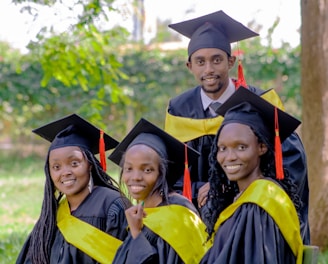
(70, 171)
(239, 154)
(140, 171)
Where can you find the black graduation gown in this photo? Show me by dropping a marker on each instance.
(189, 104)
(148, 247)
(250, 236)
(103, 208)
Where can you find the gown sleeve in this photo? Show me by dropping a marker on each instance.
(116, 224)
(250, 236)
(154, 250)
(294, 159)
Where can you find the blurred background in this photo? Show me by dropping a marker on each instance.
(115, 61)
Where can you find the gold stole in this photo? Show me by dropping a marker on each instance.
(181, 228)
(97, 244)
(275, 201)
(186, 129)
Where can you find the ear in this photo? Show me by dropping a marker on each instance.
(262, 149)
(188, 64)
(231, 61)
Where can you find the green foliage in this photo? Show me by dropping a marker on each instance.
(154, 77)
(278, 68)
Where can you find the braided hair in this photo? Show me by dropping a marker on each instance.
(43, 234)
(222, 191)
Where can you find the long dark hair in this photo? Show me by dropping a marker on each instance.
(222, 191)
(43, 233)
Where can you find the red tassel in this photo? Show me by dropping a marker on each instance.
(186, 178)
(102, 151)
(278, 149)
(241, 78)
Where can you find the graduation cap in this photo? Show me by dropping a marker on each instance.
(245, 107)
(73, 130)
(214, 30)
(169, 148)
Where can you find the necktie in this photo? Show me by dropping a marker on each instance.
(213, 107)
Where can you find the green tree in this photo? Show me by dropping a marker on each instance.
(314, 36)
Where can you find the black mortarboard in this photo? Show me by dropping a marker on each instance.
(163, 143)
(215, 30)
(247, 108)
(73, 130)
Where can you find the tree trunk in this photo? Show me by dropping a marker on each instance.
(314, 89)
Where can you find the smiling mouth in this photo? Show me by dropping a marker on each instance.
(210, 78)
(232, 168)
(136, 188)
(67, 182)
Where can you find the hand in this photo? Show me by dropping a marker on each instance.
(134, 216)
(202, 194)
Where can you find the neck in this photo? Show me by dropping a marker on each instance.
(153, 200)
(74, 201)
(243, 184)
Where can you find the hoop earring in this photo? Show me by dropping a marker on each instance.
(90, 184)
(57, 194)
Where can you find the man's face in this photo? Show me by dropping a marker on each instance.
(210, 67)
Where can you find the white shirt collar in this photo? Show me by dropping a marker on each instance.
(206, 101)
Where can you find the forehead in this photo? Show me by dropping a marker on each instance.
(208, 52)
(65, 151)
(236, 131)
(140, 152)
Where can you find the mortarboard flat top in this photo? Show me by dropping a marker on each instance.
(148, 134)
(250, 109)
(214, 30)
(73, 130)
(233, 30)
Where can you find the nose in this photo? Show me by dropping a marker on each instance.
(209, 67)
(136, 175)
(66, 170)
(231, 155)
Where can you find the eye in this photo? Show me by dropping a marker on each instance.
(127, 169)
(148, 170)
(199, 62)
(221, 148)
(75, 163)
(242, 147)
(217, 60)
(55, 167)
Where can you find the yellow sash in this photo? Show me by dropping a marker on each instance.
(181, 228)
(275, 201)
(186, 129)
(97, 244)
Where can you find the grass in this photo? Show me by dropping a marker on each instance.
(21, 185)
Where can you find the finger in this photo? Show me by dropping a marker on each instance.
(140, 210)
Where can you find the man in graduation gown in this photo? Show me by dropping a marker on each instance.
(190, 116)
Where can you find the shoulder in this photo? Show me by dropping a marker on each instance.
(175, 198)
(110, 198)
(186, 103)
(256, 90)
(186, 96)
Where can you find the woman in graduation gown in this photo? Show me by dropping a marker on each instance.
(250, 212)
(82, 217)
(164, 227)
